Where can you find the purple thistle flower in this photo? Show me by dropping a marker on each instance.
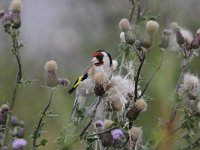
(99, 123)
(18, 144)
(117, 134)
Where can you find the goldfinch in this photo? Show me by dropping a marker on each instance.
(84, 85)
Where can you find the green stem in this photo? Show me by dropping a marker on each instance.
(122, 63)
(40, 123)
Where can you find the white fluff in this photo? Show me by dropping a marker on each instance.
(120, 89)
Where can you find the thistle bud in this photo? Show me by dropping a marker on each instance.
(16, 18)
(99, 125)
(3, 119)
(5, 148)
(165, 39)
(117, 105)
(174, 26)
(179, 38)
(20, 133)
(5, 109)
(16, 5)
(14, 121)
(115, 64)
(51, 67)
(133, 112)
(124, 25)
(1, 13)
(99, 84)
(63, 81)
(136, 133)
(106, 139)
(7, 19)
(152, 27)
(196, 41)
(147, 42)
(130, 35)
(107, 124)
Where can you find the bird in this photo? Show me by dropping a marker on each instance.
(84, 86)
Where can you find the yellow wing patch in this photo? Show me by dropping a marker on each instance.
(78, 81)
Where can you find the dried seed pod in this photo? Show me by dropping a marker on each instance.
(106, 139)
(99, 89)
(51, 67)
(117, 105)
(133, 112)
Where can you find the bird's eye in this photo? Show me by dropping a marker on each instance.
(99, 57)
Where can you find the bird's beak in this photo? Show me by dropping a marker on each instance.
(94, 60)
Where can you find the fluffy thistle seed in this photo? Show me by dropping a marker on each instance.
(152, 27)
(115, 64)
(99, 81)
(136, 132)
(107, 124)
(117, 105)
(16, 5)
(5, 108)
(174, 26)
(122, 37)
(124, 25)
(51, 67)
(140, 105)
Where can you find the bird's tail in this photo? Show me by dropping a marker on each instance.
(78, 105)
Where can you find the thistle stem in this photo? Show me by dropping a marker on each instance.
(39, 125)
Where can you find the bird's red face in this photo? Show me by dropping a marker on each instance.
(98, 58)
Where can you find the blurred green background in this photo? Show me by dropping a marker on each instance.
(68, 31)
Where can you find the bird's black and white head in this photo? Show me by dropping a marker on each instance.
(102, 58)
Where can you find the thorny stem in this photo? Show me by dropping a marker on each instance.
(39, 125)
(157, 69)
(110, 129)
(91, 120)
(137, 77)
(132, 11)
(15, 50)
(180, 126)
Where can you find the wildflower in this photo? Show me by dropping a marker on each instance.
(51, 67)
(124, 25)
(133, 112)
(117, 135)
(18, 144)
(99, 124)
